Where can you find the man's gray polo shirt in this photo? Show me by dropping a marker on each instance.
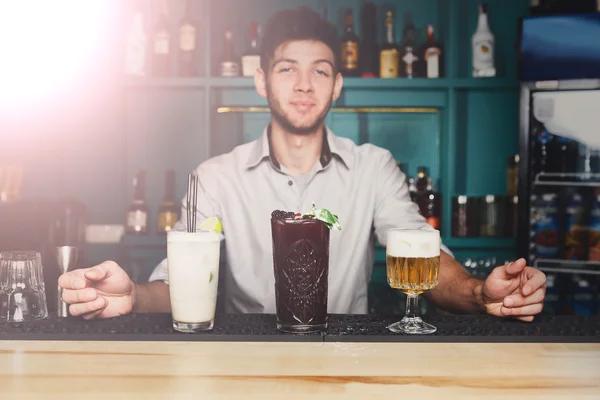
(362, 185)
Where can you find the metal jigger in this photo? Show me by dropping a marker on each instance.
(66, 257)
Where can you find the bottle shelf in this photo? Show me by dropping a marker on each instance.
(459, 101)
(568, 266)
(568, 179)
(349, 83)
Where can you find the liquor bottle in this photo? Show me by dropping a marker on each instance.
(168, 212)
(412, 189)
(512, 175)
(430, 204)
(137, 213)
(368, 62)
(483, 46)
(349, 51)
(251, 57)
(460, 217)
(421, 182)
(188, 45)
(228, 65)
(135, 47)
(161, 43)
(431, 56)
(408, 49)
(389, 56)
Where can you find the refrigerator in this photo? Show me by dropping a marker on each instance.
(559, 157)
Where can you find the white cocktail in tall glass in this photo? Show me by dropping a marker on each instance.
(193, 262)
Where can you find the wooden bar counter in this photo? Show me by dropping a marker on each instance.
(139, 356)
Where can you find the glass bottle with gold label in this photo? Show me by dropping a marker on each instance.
(389, 56)
(188, 46)
(349, 49)
(161, 43)
(168, 212)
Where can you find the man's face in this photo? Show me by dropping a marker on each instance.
(300, 85)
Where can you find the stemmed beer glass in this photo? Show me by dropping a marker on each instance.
(413, 264)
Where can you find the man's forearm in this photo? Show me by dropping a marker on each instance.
(457, 290)
(151, 297)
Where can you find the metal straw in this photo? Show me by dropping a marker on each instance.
(192, 197)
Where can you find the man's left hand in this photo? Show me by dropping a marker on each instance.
(514, 290)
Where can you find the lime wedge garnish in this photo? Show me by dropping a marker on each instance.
(325, 216)
(212, 224)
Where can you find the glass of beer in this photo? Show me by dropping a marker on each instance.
(193, 263)
(413, 264)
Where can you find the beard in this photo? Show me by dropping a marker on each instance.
(289, 126)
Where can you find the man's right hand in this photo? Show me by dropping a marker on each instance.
(102, 291)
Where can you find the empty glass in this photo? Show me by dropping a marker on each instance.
(22, 291)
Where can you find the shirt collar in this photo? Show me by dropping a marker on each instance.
(262, 150)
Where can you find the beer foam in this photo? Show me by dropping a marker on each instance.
(198, 236)
(424, 243)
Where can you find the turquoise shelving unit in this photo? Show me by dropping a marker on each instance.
(461, 127)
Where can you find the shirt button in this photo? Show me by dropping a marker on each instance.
(290, 182)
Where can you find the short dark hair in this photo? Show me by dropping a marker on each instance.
(297, 24)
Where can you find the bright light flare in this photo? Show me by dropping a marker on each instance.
(46, 47)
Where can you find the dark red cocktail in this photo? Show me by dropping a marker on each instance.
(301, 265)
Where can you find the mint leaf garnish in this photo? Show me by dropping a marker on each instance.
(325, 216)
(210, 278)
